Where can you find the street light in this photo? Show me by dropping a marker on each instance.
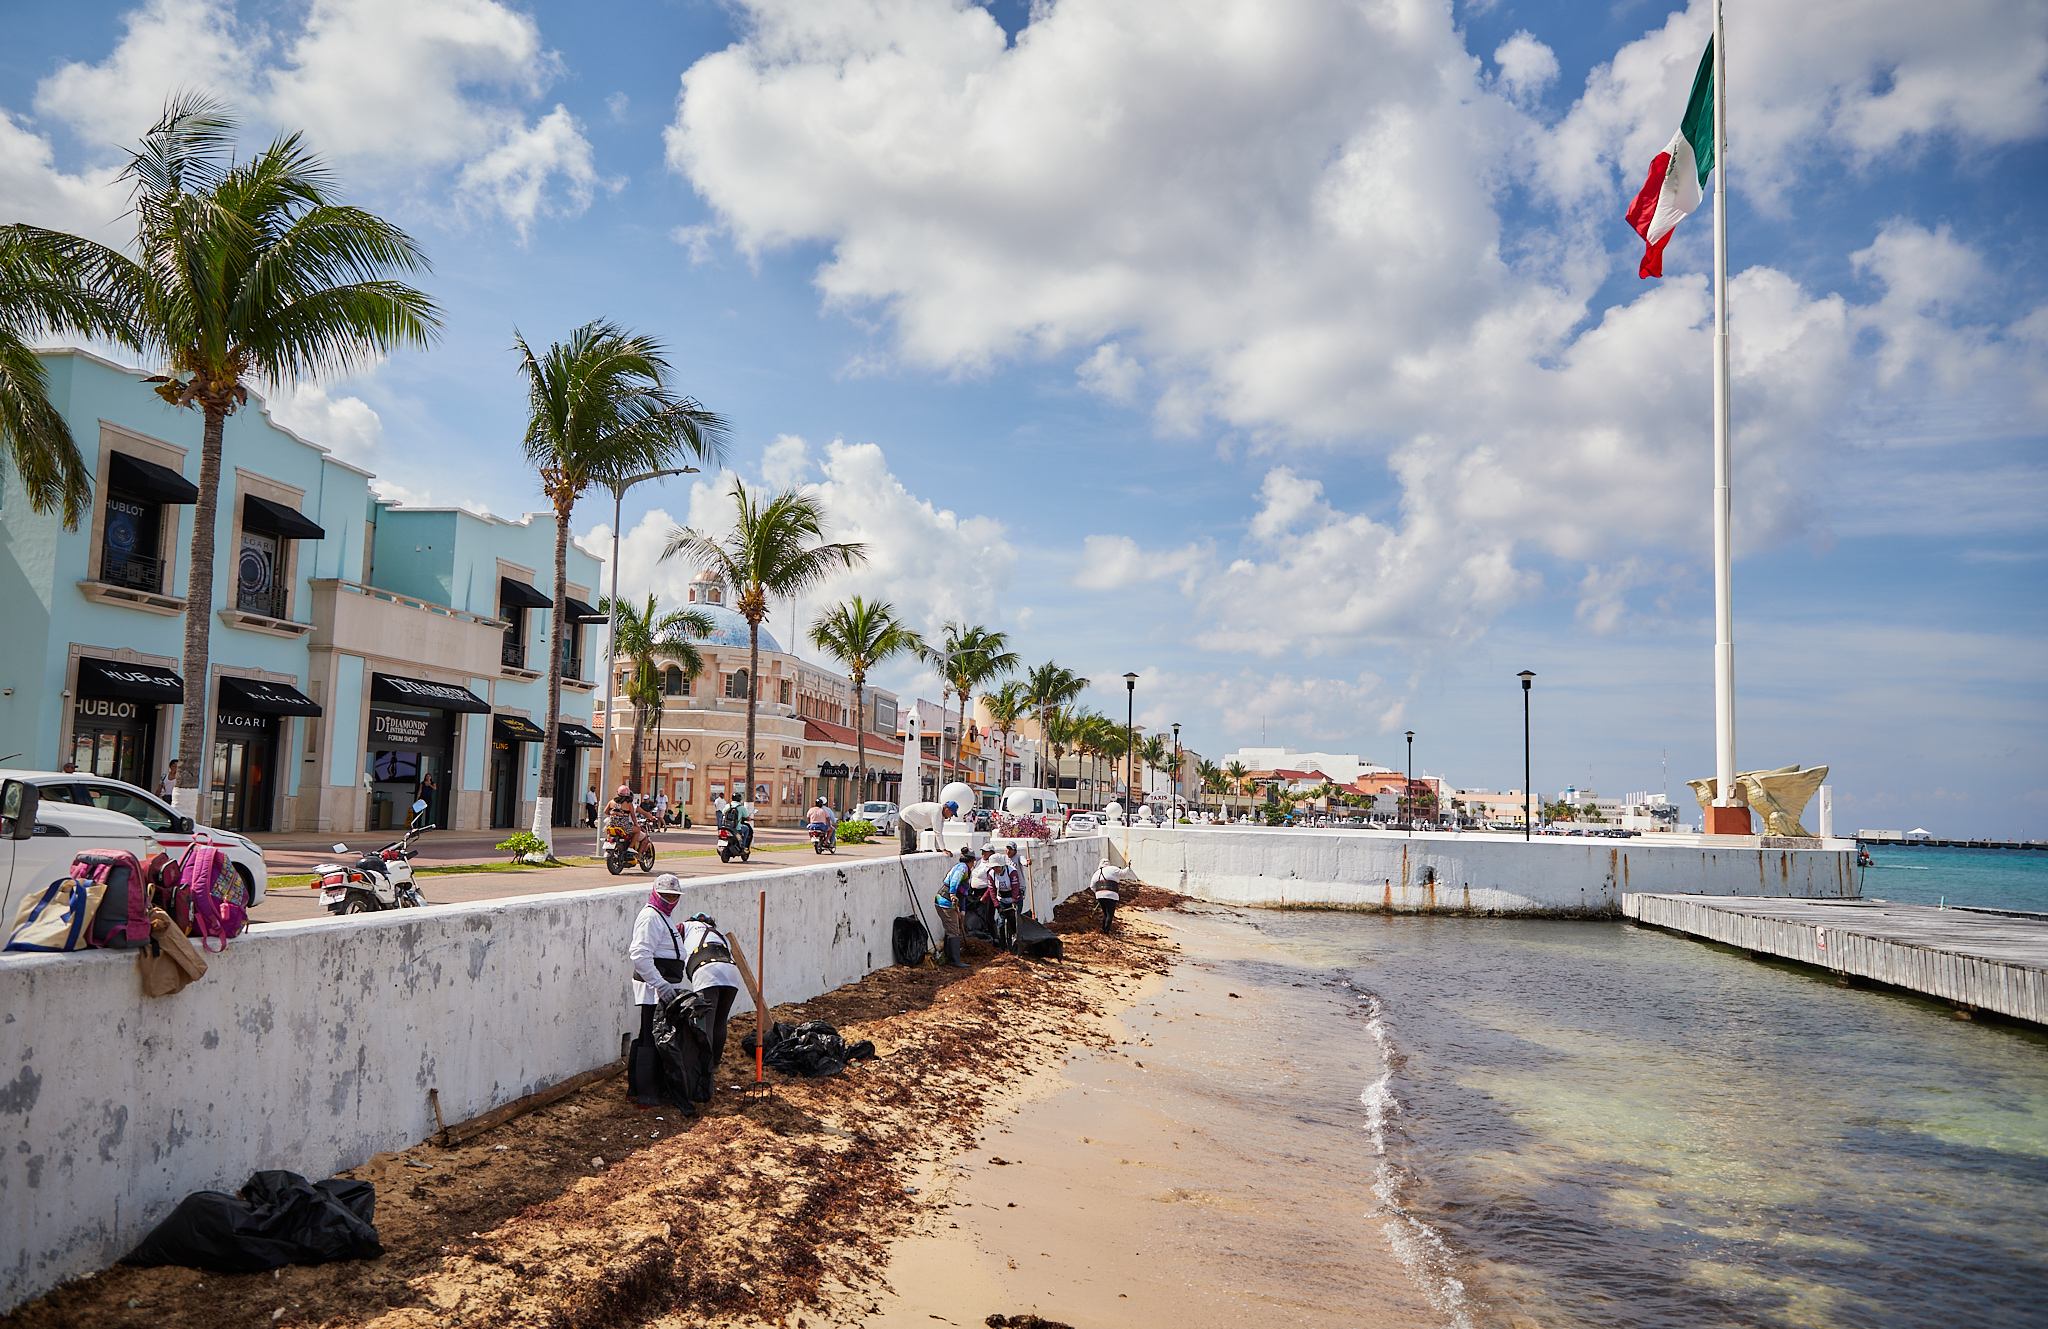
(611, 636)
(1130, 751)
(1528, 791)
(1411, 782)
(1176, 773)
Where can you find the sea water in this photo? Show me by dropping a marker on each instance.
(1589, 1123)
(1986, 878)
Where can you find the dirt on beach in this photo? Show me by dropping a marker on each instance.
(770, 1208)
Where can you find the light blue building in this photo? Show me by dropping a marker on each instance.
(306, 655)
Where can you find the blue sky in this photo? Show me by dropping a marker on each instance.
(1290, 354)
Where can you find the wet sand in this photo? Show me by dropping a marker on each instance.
(1197, 1173)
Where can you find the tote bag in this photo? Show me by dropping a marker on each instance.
(58, 917)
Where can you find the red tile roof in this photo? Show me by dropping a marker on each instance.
(824, 731)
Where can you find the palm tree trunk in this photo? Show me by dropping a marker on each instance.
(639, 738)
(860, 737)
(199, 622)
(544, 805)
(753, 693)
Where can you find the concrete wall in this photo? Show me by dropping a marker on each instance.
(311, 1046)
(1468, 873)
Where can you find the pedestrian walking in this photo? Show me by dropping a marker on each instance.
(169, 784)
(1107, 896)
(590, 806)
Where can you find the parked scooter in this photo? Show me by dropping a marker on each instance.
(378, 880)
(823, 841)
(626, 843)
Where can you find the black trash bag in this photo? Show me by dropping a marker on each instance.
(1038, 941)
(979, 920)
(812, 1049)
(682, 1042)
(279, 1219)
(910, 941)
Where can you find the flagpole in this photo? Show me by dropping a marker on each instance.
(1724, 572)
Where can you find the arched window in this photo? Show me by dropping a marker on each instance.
(736, 684)
(674, 684)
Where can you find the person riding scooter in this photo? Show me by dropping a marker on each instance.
(738, 818)
(821, 815)
(621, 812)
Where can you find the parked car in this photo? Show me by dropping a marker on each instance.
(1083, 823)
(172, 831)
(881, 815)
(38, 849)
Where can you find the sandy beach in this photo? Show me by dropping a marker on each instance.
(1033, 1138)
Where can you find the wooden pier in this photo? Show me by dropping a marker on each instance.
(1977, 959)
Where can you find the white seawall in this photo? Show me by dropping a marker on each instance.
(1482, 874)
(311, 1046)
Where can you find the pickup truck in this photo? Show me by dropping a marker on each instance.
(38, 841)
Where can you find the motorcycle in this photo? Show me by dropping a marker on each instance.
(731, 845)
(381, 879)
(626, 844)
(823, 841)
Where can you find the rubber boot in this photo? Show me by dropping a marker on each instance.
(953, 954)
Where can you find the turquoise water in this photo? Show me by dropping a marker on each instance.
(1590, 1124)
(1989, 878)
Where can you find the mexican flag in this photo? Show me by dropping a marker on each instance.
(1678, 177)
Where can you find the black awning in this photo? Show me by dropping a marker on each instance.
(576, 736)
(129, 682)
(516, 729)
(520, 595)
(260, 698)
(583, 613)
(421, 692)
(149, 480)
(260, 514)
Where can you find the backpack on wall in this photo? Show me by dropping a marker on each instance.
(213, 890)
(122, 920)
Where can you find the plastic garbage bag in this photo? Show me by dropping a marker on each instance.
(812, 1049)
(910, 941)
(280, 1218)
(1037, 941)
(682, 1043)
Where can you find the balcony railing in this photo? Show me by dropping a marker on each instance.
(513, 654)
(134, 571)
(269, 602)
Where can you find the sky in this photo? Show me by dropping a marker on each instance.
(1288, 353)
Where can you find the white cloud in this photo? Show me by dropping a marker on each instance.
(1526, 65)
(346, 426)
(35, 191)
(1110, 373)
(1112, 562)
(786, 463)
(393, 91)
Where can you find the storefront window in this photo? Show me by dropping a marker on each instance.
(259, 580)
(129, 555)
(411, 753)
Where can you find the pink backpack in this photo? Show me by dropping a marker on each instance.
(220, 903)
(122, 920)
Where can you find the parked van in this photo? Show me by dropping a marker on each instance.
(1020, 801)
(38, 840)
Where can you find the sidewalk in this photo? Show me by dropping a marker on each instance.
(289, 852)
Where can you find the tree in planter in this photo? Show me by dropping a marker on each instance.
(599, 410)
(51, 285)
(644, 633)
(243, 273)
(861, 634)
(776, 547)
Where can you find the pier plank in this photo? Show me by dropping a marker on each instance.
(1992, 962)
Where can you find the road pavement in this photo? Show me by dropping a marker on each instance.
(293, 904)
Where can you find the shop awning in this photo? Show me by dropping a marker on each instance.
(129, 682)
(521, 595)
(260, 698)
(516, 729)
(260, 514)
(577, 736)
(422, 692)
(584, 613)
(149, 480)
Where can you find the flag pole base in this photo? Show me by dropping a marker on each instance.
(1728, 821)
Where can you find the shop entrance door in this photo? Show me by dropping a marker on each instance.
(504, 783)
(112, 742)
(240, 787)
(568, 799)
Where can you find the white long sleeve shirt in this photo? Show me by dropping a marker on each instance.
(653, 937)
(712, 973)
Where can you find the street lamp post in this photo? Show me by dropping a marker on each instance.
(1528, 790)
(1130, 752)
(1176, 774)
(611, 636)
(1411, 782)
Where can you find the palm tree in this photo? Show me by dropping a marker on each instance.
(861, 634)
(1211, 776)
(1156, 753)
(642, 634)
(1240, 777)
(599, 409)
(1006, 706)
(1061, 732)
(769, 551)
(1111, 743)
(50, 285)
(244, 273)
(1052, 687)
(967, 657)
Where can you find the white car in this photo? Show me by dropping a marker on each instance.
(171, 830)
(881, 815)
(38, 850)
(1083, 823)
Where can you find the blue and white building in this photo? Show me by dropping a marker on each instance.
(341, 629)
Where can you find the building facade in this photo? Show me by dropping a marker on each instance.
(309, 647)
